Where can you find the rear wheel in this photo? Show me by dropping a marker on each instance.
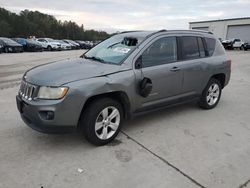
(101, 121)
(211, 94)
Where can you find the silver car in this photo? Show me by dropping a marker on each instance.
(128, 74)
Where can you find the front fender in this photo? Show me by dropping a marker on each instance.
(80, 91)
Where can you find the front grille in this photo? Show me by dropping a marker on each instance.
(27, 90)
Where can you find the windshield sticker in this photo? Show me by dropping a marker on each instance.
(121, 50)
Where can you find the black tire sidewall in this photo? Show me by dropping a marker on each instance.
(203, 101)
(89, 116)
(49, 48)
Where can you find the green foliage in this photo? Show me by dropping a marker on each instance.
(34, 23)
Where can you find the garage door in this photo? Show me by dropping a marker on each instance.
(239, 31)
(201, 28)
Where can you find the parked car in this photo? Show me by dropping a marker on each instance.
(83, 45)
(238, 43)
(64, 45)
(29, 45)
(10, 45)
(128, 74)
(21, 41)
(246, 46)
(96, 42)
(233, 43)
(33, 46)
(73, 44)
(49, 44)
(228, 44)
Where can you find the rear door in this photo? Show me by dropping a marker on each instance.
(194, 64)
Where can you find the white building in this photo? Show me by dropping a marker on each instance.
(226, 28)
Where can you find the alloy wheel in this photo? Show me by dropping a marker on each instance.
(107, 122)
(213, 94)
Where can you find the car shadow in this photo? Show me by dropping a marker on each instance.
(150, 118)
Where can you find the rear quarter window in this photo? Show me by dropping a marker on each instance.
(210, 45)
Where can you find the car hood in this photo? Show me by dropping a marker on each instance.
(62, 72)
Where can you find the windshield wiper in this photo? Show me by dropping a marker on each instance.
(95, 58)
(113, 44)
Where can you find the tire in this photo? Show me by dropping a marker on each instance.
(211, 94)
(242, 47)
(6, 50)
(95, 128)
(49, 48)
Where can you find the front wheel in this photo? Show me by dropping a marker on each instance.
(49, 48)
(6, 50)
(101, 121)
(211, 94)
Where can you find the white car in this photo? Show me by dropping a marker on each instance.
(238, 43)
(64, 45)
(49, 44)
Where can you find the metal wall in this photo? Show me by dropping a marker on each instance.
(239, 31)
(227, 28)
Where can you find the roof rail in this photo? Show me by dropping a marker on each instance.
(151, 34)
(130, 31)
(201, 31)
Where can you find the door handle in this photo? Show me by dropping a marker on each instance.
(174, 69)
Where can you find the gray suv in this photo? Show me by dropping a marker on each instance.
(125, 75)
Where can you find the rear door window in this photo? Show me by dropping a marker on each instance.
(189, 47)
(210, 45)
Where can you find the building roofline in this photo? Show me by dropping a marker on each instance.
(230, 19)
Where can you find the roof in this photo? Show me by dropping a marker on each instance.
(230, 19)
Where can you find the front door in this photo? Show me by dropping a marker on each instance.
(160, 65)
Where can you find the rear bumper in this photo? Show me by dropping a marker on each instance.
(33, 116)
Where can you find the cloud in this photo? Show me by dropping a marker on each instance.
(113, 15)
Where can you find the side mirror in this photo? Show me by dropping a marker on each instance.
(145, 87)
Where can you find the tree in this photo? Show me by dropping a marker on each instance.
(35, 23)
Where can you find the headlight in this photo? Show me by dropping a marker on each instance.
(52, 92)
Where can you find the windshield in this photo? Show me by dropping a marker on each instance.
(60, 41)
(6, 40)
(113, 50)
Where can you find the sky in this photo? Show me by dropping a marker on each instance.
(120, 15)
